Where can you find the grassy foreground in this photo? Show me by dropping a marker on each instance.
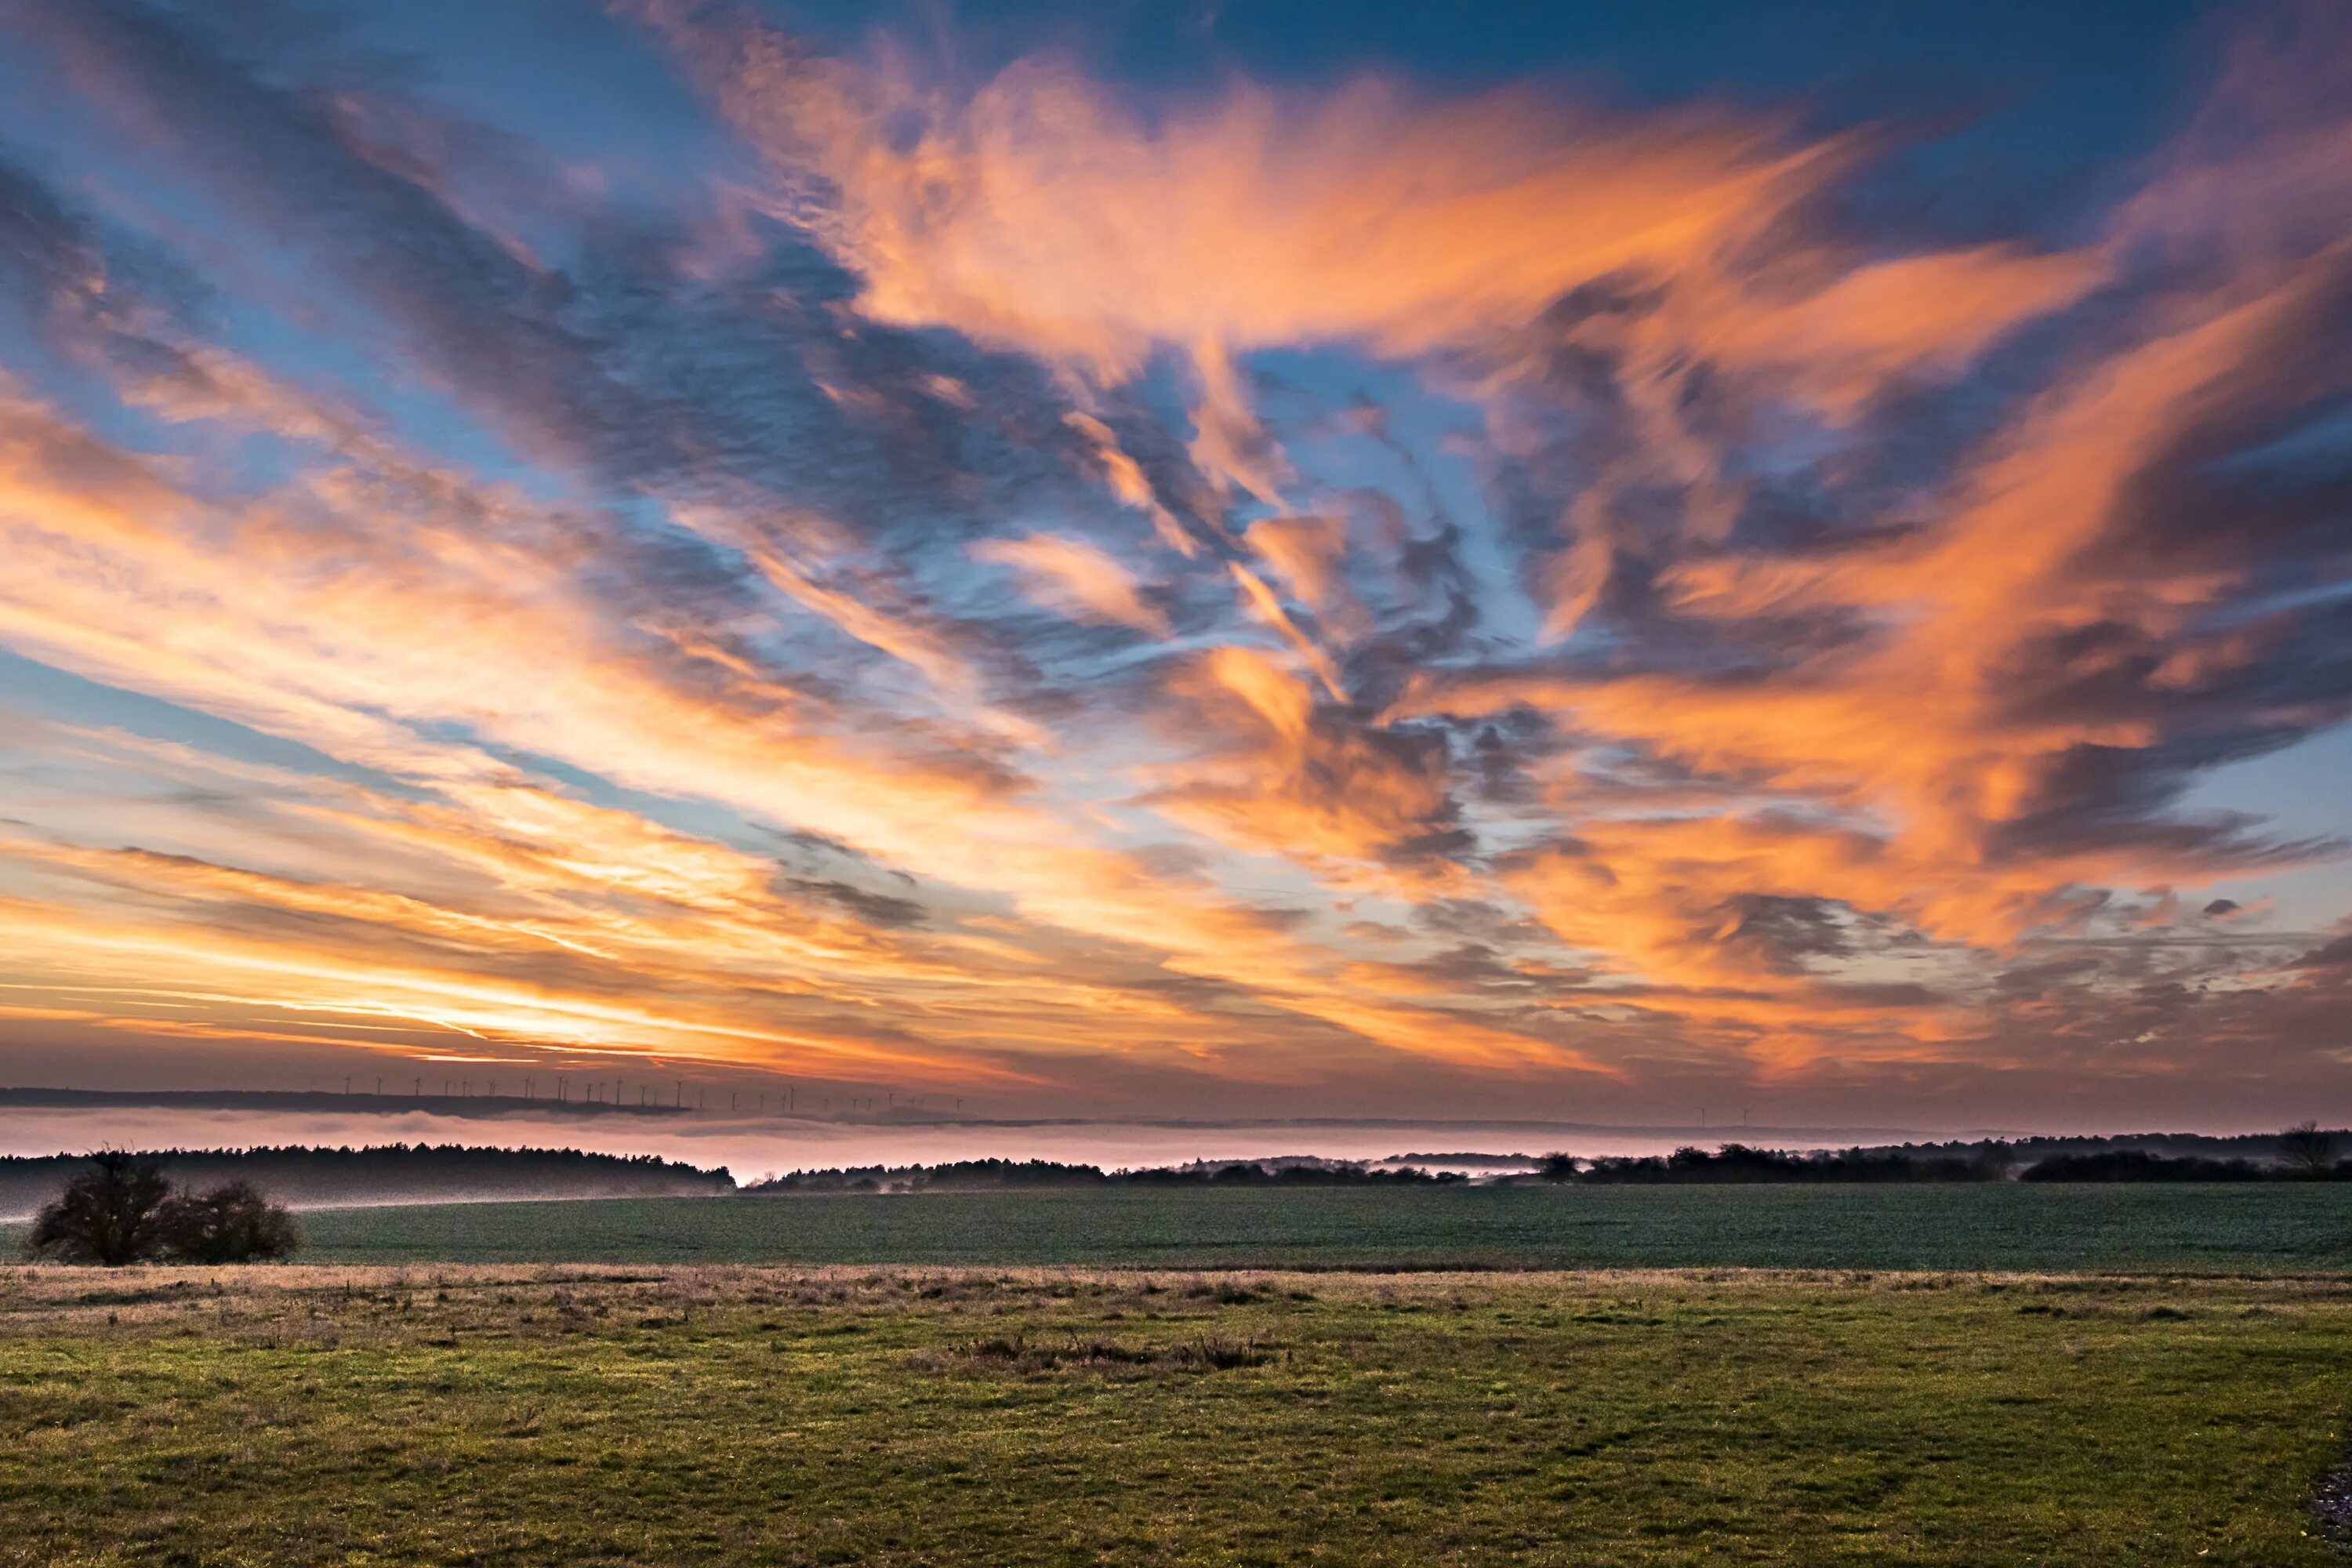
(2284, 1227)
(571, 1416)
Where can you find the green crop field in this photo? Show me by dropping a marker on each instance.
(2237, 1228)
(1965, 1375)
(567, 1415)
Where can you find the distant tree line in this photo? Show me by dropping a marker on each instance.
(989, 1176)
(2304, 1154)
(390, 1173)
(2301, 1154)
(1739, 1162)
(2138, 1166)
(2302, 1147)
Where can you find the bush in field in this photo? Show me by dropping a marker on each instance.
(111, 1213)
(121, 1210)
(233, 1223)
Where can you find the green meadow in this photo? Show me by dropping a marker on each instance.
(556, 1415)
(1913, 1375)
(2253, 1227)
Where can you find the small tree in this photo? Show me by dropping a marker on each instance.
(233, 1223)
(1558, 1168)
(2306, 1149)
(111, 1213)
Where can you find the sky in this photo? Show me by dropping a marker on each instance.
(1189, 560)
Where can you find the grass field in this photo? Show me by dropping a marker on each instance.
(553, 1415)
(2240, 1229)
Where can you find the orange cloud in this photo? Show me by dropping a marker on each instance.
(1038, 213)
(348, 660)
(1072, 574)
(1277, 778)
(1306, 552)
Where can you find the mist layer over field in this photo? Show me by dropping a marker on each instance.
(752, 1147)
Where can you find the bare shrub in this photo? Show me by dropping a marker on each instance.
(233, 1223)
(111, 1215)
(121, 1210)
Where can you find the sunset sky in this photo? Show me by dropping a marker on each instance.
(1191, 559)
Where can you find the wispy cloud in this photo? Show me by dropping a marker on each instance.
(1019, 584)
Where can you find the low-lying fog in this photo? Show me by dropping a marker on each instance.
(753, 1147)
